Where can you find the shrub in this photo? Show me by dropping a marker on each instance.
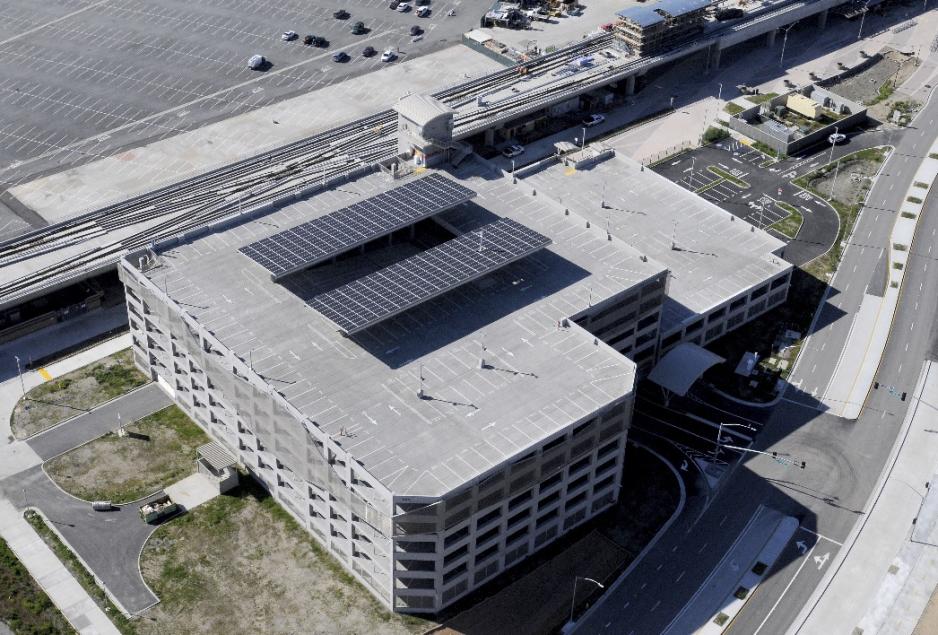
(715, 134)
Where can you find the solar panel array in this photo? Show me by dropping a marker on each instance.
(319, 240)
(389, 291)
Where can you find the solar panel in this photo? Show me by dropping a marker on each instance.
(403, 285)
(323, 238)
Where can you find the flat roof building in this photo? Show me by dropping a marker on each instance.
(404, 446)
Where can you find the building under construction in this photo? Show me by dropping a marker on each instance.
(654, 28)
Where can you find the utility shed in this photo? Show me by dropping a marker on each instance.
(804, 106)
(425, 128)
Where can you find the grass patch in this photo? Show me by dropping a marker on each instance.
(76, 392)
(789, 225)
(721, 619)
(24, 606)
(158, 450)
(884, 93)
(900, 247)
(759, 568)
(741, 593)
(898, 266)
(77, 569)
(761, 99)
(914, 199)
(764, 149)
(924, 186)
(723, 174)
(733, 109)
(908, 215)
(933, 155)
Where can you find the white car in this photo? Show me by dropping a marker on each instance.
(388, 55)
(837, 137)
(257, 62)
(593, 120)
(512, 151)
(423, 12)
(288, 36)
(403, 7)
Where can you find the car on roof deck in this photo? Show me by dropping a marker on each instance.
(358, 28)
(341, 14)
(288, 36)
(257, 62)
(368, 51)
(388, 55)
(341, 56)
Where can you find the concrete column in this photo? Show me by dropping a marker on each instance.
(490, 137)
(713, 61)
(822, 19)
(630, 85)
(770, 38)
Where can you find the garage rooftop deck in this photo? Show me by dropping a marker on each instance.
(363, 389)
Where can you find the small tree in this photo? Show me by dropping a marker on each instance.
(714, 134)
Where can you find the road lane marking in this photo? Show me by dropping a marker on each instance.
(657, 604)
(839, 544)
(680, 575)
(804, 561)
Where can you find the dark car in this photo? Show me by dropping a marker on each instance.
(341, 14)
(394, 4)
(308, 40)
(368, 51)
(422, 3)
(318, 42)
(341, 56)
(358, 28)
(415, 30)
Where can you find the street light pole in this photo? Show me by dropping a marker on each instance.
(573, 599)
(720, 91)
(833, 143)
(716, 449)
(863, 17)
(583, 146)
(836, 170)
(19, 371)
(781, 60)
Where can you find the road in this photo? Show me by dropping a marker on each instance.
(844, 458)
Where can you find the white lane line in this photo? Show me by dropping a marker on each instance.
(839, 544)
(807, 557)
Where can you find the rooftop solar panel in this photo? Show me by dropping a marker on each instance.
(389, 291)
(320, 239)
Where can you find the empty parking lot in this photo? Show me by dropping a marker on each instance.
(83, 79)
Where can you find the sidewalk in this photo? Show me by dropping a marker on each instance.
(49, 572)
(887, 576)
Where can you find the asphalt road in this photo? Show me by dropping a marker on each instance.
(843, 458)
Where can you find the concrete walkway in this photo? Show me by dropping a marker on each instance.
(889, 566)
(49, 572)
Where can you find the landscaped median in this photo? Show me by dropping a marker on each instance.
(24, 606)
(75, 393)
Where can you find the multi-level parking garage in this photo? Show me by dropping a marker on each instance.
(54, 256)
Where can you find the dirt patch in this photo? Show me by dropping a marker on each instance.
(928, 622)
(241, 564)
(888, 65)
(853, 176)
(75, 393)
(159, 450)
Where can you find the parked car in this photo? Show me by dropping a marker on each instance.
(593, 120)
(341, 56)
(388, 55)
(308, 40)
(423, 12)
(341, 14)
(837, 137)
(368, 51)
(288, 36)
(315, 40)
(257, 62)
(403, 7)
(394, 5)
(510, 152)
(415, 30)
(422, 3)
(358, 28)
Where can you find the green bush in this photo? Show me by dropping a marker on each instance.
(914, 199)
(713, 134)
